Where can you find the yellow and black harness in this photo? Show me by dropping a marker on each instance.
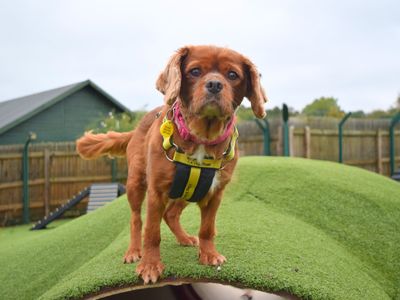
(193, 179)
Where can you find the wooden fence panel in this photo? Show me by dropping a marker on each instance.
(299, 146)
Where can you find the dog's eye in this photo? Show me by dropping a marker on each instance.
(233, 75)
(195, 72)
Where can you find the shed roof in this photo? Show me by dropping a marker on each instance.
(16, 111)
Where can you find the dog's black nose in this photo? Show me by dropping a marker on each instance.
(214, 86)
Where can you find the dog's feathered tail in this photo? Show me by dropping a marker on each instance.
(92, 146)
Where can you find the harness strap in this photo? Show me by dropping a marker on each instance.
(229, 154)
(191, 183)
(167, 131)
(193, 179)
(189, 161)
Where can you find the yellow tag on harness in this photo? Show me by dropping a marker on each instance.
(167, 130)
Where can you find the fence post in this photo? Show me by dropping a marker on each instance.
(114, 170)
(46, 181)
(341, 136)
(393, 123)
(285, 117)
(265, 129)
(307, 142)
(379, 167)
(25, 177)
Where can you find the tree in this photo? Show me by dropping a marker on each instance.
(275, 112)
(323, 107)
(378, 114)
(358, 114)
(395, 108)
(121, 122)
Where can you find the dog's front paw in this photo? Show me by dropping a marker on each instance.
(188, 241)
(150, 271)
(132, 256)
(211, 258)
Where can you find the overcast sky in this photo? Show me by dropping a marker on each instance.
(305, 49)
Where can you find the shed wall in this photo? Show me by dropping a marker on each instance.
(63, 121)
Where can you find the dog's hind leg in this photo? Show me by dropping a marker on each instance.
(136, 190)
(150, 267)
(172, 216)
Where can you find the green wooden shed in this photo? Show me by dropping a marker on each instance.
(60, 114)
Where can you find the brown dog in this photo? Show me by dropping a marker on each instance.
(202, 87)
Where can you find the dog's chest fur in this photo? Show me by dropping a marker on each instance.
(199, 154)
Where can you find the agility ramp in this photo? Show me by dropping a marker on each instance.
(99, 194)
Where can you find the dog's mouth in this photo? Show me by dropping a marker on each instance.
(211, 111)
(211, 121)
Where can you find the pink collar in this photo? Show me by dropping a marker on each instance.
(187, 136)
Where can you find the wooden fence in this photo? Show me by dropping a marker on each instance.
(365, 142)
(366, 149)
(56, 172)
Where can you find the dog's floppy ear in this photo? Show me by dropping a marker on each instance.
(169, 81)
(255, 92)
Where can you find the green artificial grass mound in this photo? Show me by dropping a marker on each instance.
(318, 230)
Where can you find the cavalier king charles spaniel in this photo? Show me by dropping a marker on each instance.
(183, 151)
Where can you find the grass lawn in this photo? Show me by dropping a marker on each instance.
(318, 230)
(12, 234)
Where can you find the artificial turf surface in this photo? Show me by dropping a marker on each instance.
(318, 230)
